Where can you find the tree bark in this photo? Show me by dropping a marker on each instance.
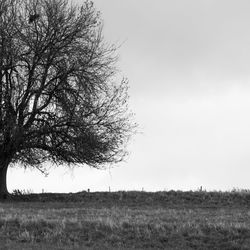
(3, 184)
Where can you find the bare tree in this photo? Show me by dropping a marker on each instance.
(58, 98)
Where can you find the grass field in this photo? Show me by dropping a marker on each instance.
(126, 220)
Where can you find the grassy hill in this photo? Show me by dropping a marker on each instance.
(126, 220)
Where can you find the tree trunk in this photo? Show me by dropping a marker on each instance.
(3, 185)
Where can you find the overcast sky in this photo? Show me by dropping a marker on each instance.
(188, 64)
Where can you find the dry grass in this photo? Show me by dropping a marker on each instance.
(77, 225)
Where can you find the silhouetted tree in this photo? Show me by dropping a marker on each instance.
(58, 98)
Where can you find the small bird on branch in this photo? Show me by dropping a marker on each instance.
(33, 17)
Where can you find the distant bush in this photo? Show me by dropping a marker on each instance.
(18, 192)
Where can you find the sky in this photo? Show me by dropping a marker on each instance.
(188, 65)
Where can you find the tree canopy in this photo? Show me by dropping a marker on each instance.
(59, 100)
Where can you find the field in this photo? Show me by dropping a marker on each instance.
(126, 220)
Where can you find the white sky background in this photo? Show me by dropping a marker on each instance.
(188, 64)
